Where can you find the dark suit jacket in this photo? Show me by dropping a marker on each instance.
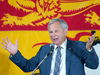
(76, 57)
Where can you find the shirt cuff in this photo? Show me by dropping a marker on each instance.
(90, 50)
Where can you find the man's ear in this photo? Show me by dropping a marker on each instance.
(66, 30)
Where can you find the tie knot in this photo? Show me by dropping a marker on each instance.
(59, 47)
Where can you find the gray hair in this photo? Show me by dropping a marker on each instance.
(62, 23)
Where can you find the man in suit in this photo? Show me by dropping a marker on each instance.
(74, 54)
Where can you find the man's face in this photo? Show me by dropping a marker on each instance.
(57, 34)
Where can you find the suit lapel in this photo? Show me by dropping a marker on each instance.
(48, 63)
(68, 55)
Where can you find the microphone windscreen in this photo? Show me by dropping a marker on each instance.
(51, 44)
(51, 47)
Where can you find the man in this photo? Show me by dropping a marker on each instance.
(74, 54)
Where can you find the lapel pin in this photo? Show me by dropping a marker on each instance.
(69, 48)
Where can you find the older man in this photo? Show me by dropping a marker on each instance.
(68, 57)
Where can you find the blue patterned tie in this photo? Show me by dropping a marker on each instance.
(58, 61)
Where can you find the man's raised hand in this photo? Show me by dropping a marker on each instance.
(9, 46)
(90, 42)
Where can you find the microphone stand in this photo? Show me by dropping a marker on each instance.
(41, 61)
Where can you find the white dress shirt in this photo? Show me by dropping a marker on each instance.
(63, 58)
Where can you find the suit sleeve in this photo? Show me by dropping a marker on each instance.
(90, 57)
(23, 63)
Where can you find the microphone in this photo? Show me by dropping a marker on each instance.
(51, 51)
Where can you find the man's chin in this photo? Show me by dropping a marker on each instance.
(56, 44)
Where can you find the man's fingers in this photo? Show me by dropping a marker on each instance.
(4, 47)
(5, 41)
(8, 39)
(3, 44)
(16, 41)
(93, 35)
(91, 39)
(90, 42)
